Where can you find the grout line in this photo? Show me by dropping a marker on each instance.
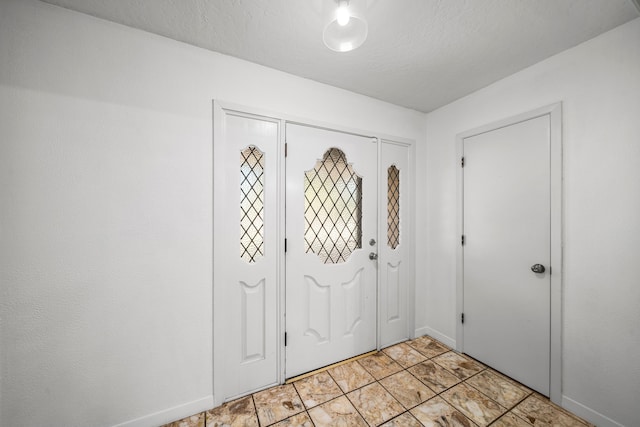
(255, 408)
(304, 406)
(355, 407)
(401, 404)
(334, 380)
(326, 368)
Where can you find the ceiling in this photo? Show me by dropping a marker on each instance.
(420, 54)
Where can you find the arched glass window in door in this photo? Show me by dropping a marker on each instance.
(332, 208)
(393, 207)
(251, 204)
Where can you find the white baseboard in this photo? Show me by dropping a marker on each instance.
(437, 335)
(172, 414)
(587, 413)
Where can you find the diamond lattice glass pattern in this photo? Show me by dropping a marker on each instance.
(251, 204)
(393, 207)
(332, 208)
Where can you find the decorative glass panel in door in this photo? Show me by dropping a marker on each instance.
(332, 208)
(331, 278)
(251, 204)
(393, 207)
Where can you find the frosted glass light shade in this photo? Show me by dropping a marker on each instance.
(343, 38)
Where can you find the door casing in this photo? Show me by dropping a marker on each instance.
(554, 112)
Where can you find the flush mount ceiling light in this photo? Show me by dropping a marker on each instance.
(345, 29)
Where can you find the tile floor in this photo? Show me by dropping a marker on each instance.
(413, 384)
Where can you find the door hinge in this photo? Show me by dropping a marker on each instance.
(462, 317)
(462, 162)
(462, 240)
(286, 149)
(285, 245)
(285, 339)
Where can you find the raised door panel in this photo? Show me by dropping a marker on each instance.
(252, 316)
(318, 310)
(394, 294)
(352, 292)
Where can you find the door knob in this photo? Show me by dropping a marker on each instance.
(373, 255)
(538, 268)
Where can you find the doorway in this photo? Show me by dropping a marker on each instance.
(509, 259)
(312, 246)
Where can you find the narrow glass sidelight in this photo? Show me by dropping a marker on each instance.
(251, 204)
(393, 207)
(332, 208)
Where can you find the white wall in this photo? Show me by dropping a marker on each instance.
(105, 211)
(599, 85)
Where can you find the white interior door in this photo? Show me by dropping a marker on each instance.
(331, 204)
(506, 221)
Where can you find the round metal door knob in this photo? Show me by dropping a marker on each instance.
(538, 268)
(373, 255)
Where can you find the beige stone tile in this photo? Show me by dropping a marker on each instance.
(192, 421)
(379, 365)
(404, 355)
(463, 367)
(475, 405)
(541, 412)
(408, 390)
(375, 404)
(434, 376)
(277, 403)
(499, 388)
(238, 413)
(428, 346)
(338, 412)
(510, 420)
(404, 420)
(351, 376)
(300, 420)
(438, 413)
(317, 389)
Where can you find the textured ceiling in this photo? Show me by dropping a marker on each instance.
(420, 54)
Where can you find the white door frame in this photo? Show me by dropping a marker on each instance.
(554, 112)
(219, 108)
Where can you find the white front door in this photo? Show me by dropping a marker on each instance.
(331, 230)
(506, 221)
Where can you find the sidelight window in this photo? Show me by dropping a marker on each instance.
(393, 207)
(251, 204)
